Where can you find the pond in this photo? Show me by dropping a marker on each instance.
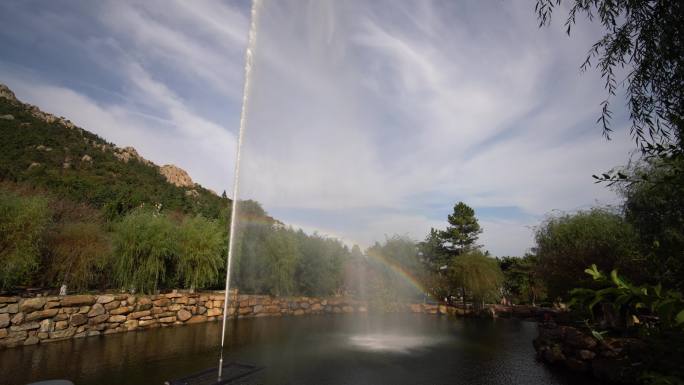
(326, 349)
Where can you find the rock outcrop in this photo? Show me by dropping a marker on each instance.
(616, 360)
(6, 93)
(128, 153)
(176, 176)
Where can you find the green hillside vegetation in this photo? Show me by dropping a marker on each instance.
(75, 164)
(77, 210)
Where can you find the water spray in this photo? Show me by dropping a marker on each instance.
(249, 59)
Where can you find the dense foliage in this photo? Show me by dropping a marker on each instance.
(23, 221)
(568, 243)
(396, 269)
(651, 312)
(145, 246)
(522, 283)
(78, 254)
(632, 303)
(654, 206)
(201, 247)
(320, 267)
(274, 259)
(477, 276)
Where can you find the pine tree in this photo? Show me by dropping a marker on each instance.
(463, 232)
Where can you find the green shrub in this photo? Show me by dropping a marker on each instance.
(79, 252)
(567, 244)
(200, 252)
(145, 246)
(632, 302)
(23, 222)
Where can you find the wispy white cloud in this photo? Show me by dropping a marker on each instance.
(418, 100)
(366, 118)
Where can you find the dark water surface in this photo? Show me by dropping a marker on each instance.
(326, 349)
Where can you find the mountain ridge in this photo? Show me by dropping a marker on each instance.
(51, 152)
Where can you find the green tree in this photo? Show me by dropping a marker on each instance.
(654, 206)
(645, 38)
(320, 264)
(23, 223)
(441, 248)
(521, 281)
(478, 277)
(281, 261)
(249, 258)
(356, 251)
(566, 244)
(432, 250)
(145, 246)
(201, 251)
(267, 256)
(463, 231)
(394, 261)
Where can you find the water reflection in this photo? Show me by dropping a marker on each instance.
(390, 342)
(406, 349)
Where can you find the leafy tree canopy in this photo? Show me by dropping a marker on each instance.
(478, 276)
(566, 244)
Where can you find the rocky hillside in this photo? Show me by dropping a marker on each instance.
(50, 153)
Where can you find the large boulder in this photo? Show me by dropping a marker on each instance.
(32, 304)
(139, 314)
(183, 315)
(579, 340)
(103, 299)
(78, 319)
(9, 299)
(96, 310)
(36, 315)
(78, 300)
(4, 320)
(176, 176)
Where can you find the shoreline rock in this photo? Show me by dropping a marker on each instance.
(615, 360)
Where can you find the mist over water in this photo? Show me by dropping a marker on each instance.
(393, 343)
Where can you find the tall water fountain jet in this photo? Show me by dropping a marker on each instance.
(315, 158)
(249, 58)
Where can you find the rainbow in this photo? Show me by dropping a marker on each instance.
(400, 271)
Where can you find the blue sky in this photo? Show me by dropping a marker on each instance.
(366, 118)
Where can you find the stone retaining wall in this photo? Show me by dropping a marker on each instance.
(28, 321)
